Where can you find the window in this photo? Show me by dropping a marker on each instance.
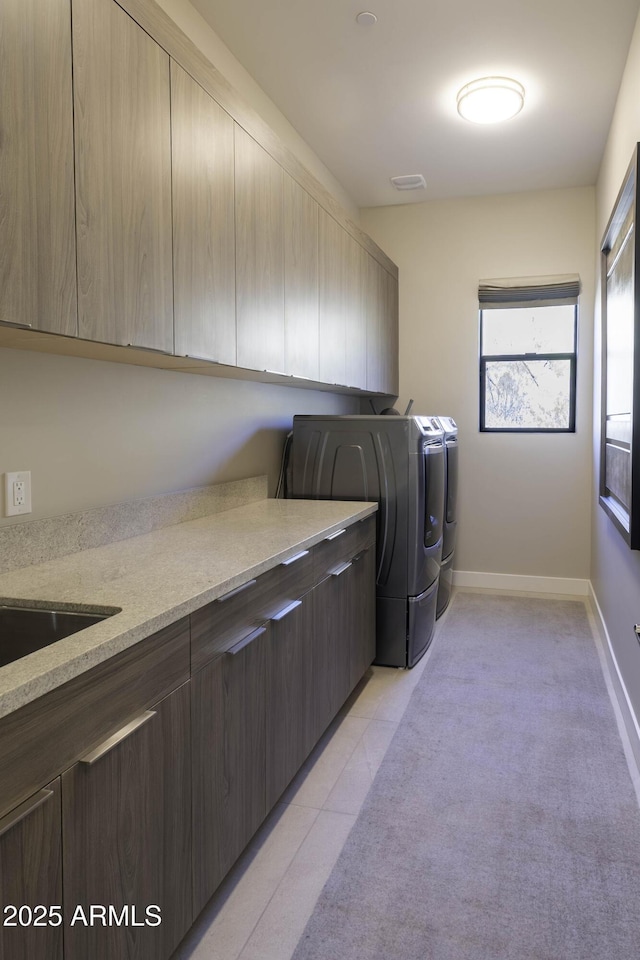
(528, 334)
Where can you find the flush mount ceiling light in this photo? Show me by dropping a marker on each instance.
(490, 99)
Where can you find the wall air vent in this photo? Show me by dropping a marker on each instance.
(413, 182)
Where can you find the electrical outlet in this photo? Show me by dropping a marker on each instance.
(17, 493)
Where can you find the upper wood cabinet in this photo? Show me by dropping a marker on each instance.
(259, 256)
(135, 210)
(356, 331)
(123, 179)
(382, 329)
(334, 304)
(300, 281)
(343, 331)
(37, 250)
(203, 222)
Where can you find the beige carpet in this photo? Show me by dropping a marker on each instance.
(503, 822)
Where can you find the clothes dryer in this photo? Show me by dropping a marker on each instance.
(450, 522)
(398, 462)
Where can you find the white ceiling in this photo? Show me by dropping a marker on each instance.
(378, 102)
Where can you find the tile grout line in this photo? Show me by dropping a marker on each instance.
(277, 886)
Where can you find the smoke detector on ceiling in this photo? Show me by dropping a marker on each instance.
(414, 181)
(366, 18)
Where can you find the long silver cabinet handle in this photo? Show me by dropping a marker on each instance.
(286, 610)
(296, 556)
(241, 644)
(16, 325)
(116, 738)
(338, 533)
(23, 810)
(234, 593)
(341, 569)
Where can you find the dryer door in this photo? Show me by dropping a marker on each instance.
(433, 493)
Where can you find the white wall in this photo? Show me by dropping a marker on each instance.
(615, 570)
(94, 433)
(524, 499)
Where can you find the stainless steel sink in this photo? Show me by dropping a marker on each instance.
(26, 629)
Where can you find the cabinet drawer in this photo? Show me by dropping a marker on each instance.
(340, 548)
(43, 738)
(222, 623)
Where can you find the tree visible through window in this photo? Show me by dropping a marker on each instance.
(527, 365)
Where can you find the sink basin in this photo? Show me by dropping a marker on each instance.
(26, 629)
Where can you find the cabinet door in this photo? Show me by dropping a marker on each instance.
(259, 256)
(123, 179)
(333, 299)
(126, 813)
(289, 704)
(203, 223)
(363, 615)
(356, 330)
(229, 803)
(345, 634)
(301, 282)
(390, 374)
(343, 331)
(37, 255)
(31, 875)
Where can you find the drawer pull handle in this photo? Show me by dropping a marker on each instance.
(338, 533)
(296, 556)
(241, 644)
(341, 569)
(234, 593)
(116, 738)
(22, 811)
(286, 610)
(16, 325)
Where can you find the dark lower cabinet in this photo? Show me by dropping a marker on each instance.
(362, 614)
(31, 878)
(331, 649)
(289, 721)
(345, 634)
(228, 723)
(126, 816)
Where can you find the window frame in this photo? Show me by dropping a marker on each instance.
(506, 357)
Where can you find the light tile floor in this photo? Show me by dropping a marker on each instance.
(262, 907)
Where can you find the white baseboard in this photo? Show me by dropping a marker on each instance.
(626, 714)
(521, 583)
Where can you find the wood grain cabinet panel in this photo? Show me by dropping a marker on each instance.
(37, 213)
(31, 875)
(127, 837)
(259, 256)
(229, 801)
(301, 282)
(390, 381)
(382, 329)
(342, 305)
(363, 615)
(345, 634)
(123, 179)
(290, 732)
(333, 299)
(203, 222)
(356, 329)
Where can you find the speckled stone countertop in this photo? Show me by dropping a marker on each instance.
(155, 579)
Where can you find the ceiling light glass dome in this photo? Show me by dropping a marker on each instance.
(490, 99)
